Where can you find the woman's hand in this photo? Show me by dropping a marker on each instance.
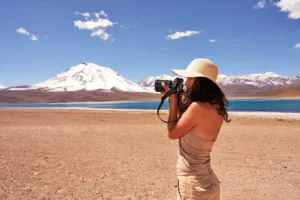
(173, 97)
(166, 89)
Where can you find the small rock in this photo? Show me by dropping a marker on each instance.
(102, 176)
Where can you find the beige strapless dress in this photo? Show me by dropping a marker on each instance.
(195, 177)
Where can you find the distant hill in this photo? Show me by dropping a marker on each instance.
(254, 92)
(290, 91)
(38, 96)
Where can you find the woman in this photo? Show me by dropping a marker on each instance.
(197, 130)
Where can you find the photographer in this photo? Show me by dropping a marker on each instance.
(197, 129)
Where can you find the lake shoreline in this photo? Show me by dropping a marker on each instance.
(264, 106)
(269, 115)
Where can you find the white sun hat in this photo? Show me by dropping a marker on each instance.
(199, 67)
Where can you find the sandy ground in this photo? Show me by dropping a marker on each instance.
(93, 154)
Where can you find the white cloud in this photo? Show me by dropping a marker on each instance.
(128, 26)
(25, 32)
(290, 6)
(297, 46)
(22, 31)
(103, 13)
(261, 4)
(101, 33)
(178, 35)
(93, 24)
(212, 41)
(97, 15)
(33, 37)
(86, 15)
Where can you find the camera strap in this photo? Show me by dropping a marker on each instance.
(163, 98)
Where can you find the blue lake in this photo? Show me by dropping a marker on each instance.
(246, 105)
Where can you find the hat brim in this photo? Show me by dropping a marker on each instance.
(188, 74)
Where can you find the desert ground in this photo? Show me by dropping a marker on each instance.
(110, 154)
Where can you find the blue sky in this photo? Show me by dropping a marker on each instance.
(41, 38)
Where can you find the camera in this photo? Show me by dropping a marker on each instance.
(176, 87)
(178, 83)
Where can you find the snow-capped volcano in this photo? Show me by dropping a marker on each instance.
(89, 76)
(2, 86)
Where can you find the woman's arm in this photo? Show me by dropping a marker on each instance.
(179, 128)
(187, 121)
(173, 111)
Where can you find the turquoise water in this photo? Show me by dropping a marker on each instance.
(246, 105)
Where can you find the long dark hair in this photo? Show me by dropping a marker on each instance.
(205, 90)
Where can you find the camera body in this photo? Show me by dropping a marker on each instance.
(178, 82)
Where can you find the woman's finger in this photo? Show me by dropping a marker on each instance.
(165, 86)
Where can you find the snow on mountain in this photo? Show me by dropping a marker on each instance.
(2, 86)
(149, 81)
(89, 76)
(221, 76)
(259, 80)
(295, 79)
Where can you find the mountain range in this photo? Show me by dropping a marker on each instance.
(268, 79)
(90, 82)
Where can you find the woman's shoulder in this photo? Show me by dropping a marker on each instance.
(204, 106)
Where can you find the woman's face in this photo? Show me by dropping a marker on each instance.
(189, 82)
